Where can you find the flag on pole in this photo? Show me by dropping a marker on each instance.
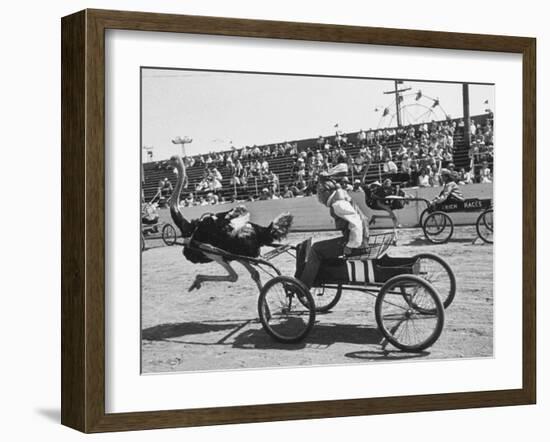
(336, 125)
(486, 102)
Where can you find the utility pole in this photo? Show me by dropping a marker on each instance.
(466, 112)
(397, 92)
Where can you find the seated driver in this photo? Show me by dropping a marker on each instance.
(348, 218)
(149, 213)
(451, 191)
(379, 195)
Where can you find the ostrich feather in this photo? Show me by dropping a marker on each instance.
(233, 232)
(239, 222)
(281, 225)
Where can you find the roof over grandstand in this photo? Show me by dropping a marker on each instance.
(222, 109)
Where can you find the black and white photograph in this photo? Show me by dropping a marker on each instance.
(305, 220)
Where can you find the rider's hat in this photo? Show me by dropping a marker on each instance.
(327, 185)
(444, 172)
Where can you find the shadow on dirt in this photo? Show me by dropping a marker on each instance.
(178, 330)
(386, 355)
(321, 336)
(255, 338)
(421, 241)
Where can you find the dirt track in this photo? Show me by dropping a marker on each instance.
(217, 327)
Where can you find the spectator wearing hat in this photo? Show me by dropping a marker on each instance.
(212, 198)
(265, 195)
(345, 184)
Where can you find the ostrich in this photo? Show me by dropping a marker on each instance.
(230, 231)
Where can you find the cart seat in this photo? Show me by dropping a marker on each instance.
(361, 271)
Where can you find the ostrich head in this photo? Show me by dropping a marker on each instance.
(174, 160)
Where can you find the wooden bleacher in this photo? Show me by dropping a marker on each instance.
(153, 172)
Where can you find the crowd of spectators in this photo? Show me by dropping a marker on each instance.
(417, 151)
(409, 155)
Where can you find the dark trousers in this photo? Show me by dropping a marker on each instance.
(321, 250)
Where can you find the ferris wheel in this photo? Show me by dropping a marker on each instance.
(409, 107)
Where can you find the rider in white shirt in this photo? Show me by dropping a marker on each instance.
(348, 218)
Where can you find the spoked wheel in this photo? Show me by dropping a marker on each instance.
(286, 309)
(439, 274)
(325, 298)
(423, 216)
(438, 227)
(409, 313)
(484, 226)
(169, 234)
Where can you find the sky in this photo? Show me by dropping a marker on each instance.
(220, 109)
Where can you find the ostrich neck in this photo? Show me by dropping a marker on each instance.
(175, 197)
(175, 211)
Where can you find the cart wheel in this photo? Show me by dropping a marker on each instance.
(283, 309)
(325, 298)
(484, 226)
(438, 227)
(439, 274)
(409, 313)
(169, 234)
(423, 216)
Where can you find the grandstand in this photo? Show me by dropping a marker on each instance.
(153, 172)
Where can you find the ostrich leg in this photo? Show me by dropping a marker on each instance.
(230, 277)
(254, 274)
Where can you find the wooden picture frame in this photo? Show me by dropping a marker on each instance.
(83, 219)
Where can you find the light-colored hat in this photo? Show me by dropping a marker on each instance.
(327, 185)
